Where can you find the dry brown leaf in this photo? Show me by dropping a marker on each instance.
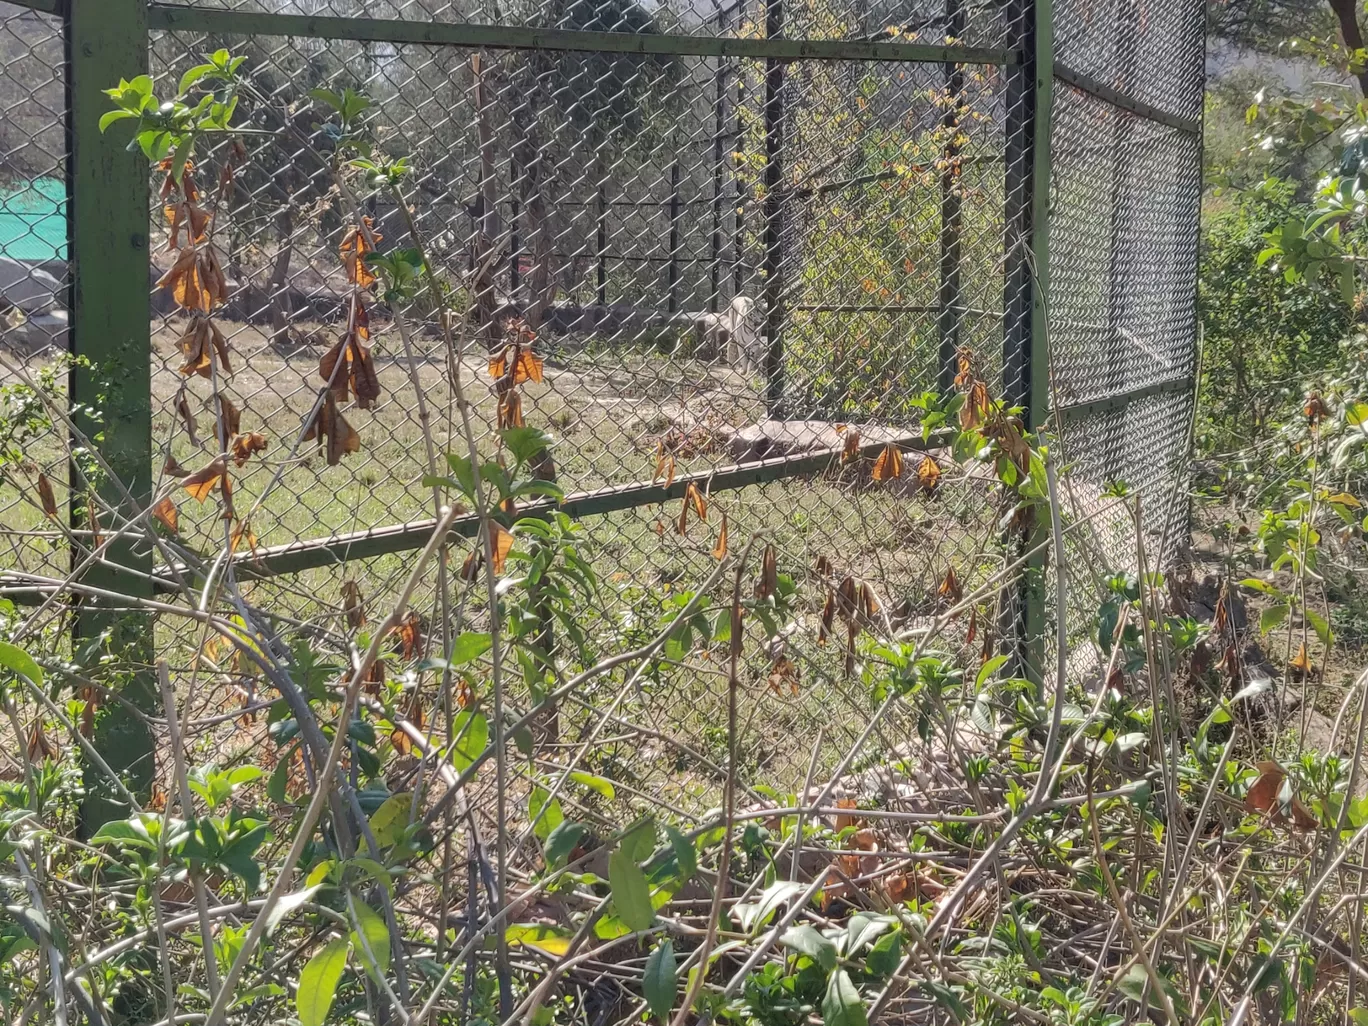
(660, 462)
(897, 887)
(465, 697)
(510, 410)
(525, 365)
(768, 584)
(851, 452)
(501, 542)
(972, 632)
(1301, 662)
(166, 512)
(411, 637)
(230, 419)
(964, 366)
(171, 468)
(720, 549)
(196, 348)
(90, 698)
(220, 347)
(353, 254)
(670, 472)
(330, 425)
(45, 497)
(40, 747)
(843, 820)
(242, 532)
(244, 446)
(1302, 819)
(977, 406)
(1263, 793)
(202, 482)
(828, 616)
(783, 674)
(950, 590)
(415, 715)
(470, 567)
(353, 604)
(889, 465)
(695, 498)
(928, 473)
(869, 602)
(1316, 409)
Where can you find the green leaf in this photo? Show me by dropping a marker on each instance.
(192, 76)
(465, 475)
(631, 893)
(639, 842)
(686, 853)
(548, 939)
(288, 904)
(863, 929)
(468, 646)
(946, 998)
(472, 743)
(560, 842)
(544, 812)
(807, 941)
(388, 822)
(1318, 624)
(318, 982)
(1358, 1016)
(525, 442)
(594, 783)
(661, 979)
(370, 926)
(109, 117)
(1271, 617)
(14, 658)
(841, 1005)
(987, 670)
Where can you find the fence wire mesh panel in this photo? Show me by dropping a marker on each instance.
(1124, 205)
(33, 275)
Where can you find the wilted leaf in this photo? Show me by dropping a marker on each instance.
(783, 675)
(889, 465)
(166, 512)
(720, 549)
(49, 501)
(203, 481)
(411, 640)
(243, 533)
(851, 452)
(768, 584)
(188, 419)
(695, 498)
(1263, 793)
(520, 361)
(353, 605)
(928, 473)
(230, 418)
(977, 406)
(1316, 409)
(950, 590)
(964, 367)
(329, 424)
(244, 446)
(1301, 662)
(353, 254)
(40, 746)
(511, 411)
(501, 542)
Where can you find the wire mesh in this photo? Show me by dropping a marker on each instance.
(725, 260)
(33, 280)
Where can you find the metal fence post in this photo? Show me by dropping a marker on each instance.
(949, 300)
(1025, 365)
(110, 383)
(775, 208)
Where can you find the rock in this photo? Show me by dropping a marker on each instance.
(32, 334)
(27, 287)
(770, 439)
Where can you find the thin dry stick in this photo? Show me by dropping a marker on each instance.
(728, 793)
(188, 811)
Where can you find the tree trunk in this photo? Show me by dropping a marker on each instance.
(1346, 11)
(280, 273)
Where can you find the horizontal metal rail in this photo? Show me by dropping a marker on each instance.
(310, 554)
(1102, 91)
(1072, 413)
(173, 17)
(42, 6)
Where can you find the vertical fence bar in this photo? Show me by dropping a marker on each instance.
(719, 176)
(1025, 364)
(601, 236)
(951, 306)
(775, 206)
(673, 293)
(111, 382)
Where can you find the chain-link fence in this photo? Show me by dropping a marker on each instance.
(741, 232)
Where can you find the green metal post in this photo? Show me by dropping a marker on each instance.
(1026, 365)
(107, 204)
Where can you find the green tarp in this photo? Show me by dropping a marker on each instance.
(33, 225)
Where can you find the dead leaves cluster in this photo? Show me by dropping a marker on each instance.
(348, 368)
(854, 601)
(355, 245)
(196, 279)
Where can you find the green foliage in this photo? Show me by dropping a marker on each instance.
(1263, 335)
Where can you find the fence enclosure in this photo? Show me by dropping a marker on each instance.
(883, 183)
